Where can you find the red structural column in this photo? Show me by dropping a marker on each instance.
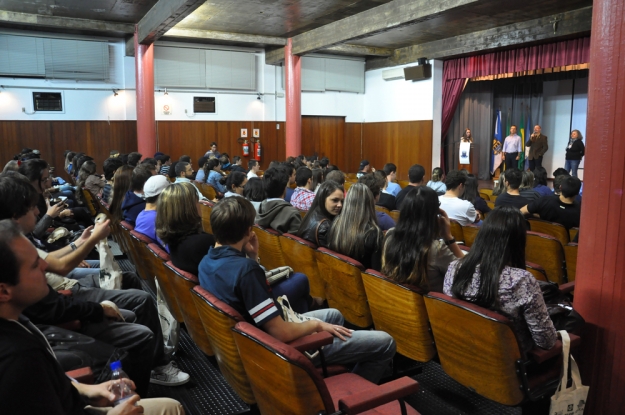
(293, 86)
(146, 119)
(600, 284)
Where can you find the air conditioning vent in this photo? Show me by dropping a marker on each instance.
(47, 101)
(203, 104)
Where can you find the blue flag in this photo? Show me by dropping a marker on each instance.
(495, 159)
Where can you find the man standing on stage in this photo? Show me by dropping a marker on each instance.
(538, 147)
(511, 149)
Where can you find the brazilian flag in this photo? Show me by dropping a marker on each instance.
(521, 164)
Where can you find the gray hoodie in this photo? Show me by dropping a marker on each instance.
(278, 215)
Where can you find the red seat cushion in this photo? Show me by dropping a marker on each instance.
(349, 384)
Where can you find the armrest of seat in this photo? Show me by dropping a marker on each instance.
(378, 395)
(539, 355)
(312, 341)
(82, 375)
(568, 287)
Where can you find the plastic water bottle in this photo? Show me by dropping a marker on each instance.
(120, 388)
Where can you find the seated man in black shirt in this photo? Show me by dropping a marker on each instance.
(562, 209)
(512, 196)
(386, 200)
(415, 177)
(31, 380)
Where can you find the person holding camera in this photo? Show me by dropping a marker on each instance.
(538, 146)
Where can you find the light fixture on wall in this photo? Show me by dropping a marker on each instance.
(115, 93)
(165, 93)
(258, 97)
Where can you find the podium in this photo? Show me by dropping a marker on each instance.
(474, 158)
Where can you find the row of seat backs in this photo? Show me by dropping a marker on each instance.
(558, 260)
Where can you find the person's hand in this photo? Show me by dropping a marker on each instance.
(110, 312)
(66, 213)
(251, 247)
(372, 169)
(101, 230)
(517, 157)
(86, 234)
(128, 407)
(101, 395)
(444, 225)
(335, 330)
(479, 216)
(83, 264)
(54, 210)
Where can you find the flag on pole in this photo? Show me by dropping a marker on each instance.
(495, 158)
(529, 132)
(521, 163)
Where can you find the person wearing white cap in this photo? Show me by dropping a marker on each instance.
(146, 220)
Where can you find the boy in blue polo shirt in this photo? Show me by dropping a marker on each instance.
(230, 271)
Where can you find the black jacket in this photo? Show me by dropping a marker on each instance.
(387, 201)
(577, 150)
(56, 308)
(317, 229)
(31, 380)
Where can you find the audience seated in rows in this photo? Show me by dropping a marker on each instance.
(146, 220)
(336, 176)
(134, 201)
(28, 367)
(415, 178)
(121, 185)
(303, 195)
(184, 173)
(462, 211)
(201, 174)
(493, 275)
(237, 165)
(420, 248)
(317, 178)
(385, 222)
(437, 183)
(526, 189)
(364, 168)
(165, 164)
(212, 169)
(540, 182)
(274, 212)
(562, 208)
(235, 183)
(355, 232)
(241, 283)
(110, 167)
(134, 158)
(472, 194)
(325, 208)
(88, 179)
(391, 175)
(253, 167)
(512, 196)
(254, 191)
(291, 171)
(179, 226)
(386, 199)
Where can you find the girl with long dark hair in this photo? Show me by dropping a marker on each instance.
(325, 207)
(493, 275)
(413, 250)
(235, 183)
(472, 194)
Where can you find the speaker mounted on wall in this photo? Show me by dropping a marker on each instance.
(416, 73)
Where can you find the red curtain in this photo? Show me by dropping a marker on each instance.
(457, 71)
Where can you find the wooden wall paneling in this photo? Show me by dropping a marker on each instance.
(404, 143)
(16, 135)
(324, 136)
(352, 155)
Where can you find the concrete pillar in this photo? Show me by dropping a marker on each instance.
(293, 89)
(600, 283)
(146, 118)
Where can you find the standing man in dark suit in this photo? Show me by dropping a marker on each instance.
(538, 147)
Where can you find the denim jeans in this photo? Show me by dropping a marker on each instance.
(80, 273)
(372, 351)
(571, 166)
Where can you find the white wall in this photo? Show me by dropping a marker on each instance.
(437, 108)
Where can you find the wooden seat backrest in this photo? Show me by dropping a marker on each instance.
(537, 271)
(205, 211)
(573, 233)
(125, 228)
(485, 196)
(487, 191)
(477, 347)
(302, 213)
(343, 286)
(218, 319)
(300, 255)
(89, 203)
(142, 256)
(269, 249)
(470, 233)
(491, 203)
(347, 185)
(399, 310)
(456, 231)
(394, 214)
(207, 190)
(351, 176)
(182, 283)
(546, 251)
(382, 209)
(570, 254)
(403, 183)
(165, 282)
(268, 363)
(550, 228)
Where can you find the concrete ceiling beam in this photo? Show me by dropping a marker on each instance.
(42, 21)
(162, 17)
(225, 36)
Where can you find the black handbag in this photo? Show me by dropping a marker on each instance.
(560, 308)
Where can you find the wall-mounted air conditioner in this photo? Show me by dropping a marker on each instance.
(393, 74)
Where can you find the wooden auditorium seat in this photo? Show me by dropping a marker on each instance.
(165, 282)
(269, 249)
(485, 196)
(491, 203)
(550, 228)
(301, 256)
(206, 209)
(478, 348)
(547, 251)
(570, 255)
(142, 265)
(394, 214)
(183, 283)
(536, 270)
(351, 176)
(285, 381)
(218, 319)
(399, 310)
(206, 189)
(403, 183)
(456, 231)
(469, 234)
(573, 233)
(89, 202)
(343, 286)
(382, 209)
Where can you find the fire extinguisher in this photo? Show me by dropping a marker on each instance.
(257, 150)
(246, 149)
